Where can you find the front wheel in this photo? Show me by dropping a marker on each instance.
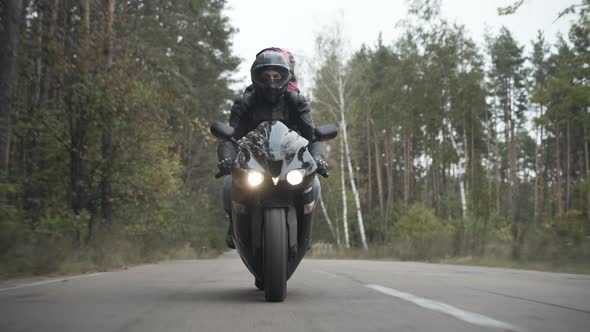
(275, 254)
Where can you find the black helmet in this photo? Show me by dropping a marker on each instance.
(270, 75)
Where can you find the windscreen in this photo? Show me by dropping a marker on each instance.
(273, 141)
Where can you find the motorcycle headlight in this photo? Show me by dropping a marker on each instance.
(255, 178)
(295, 177)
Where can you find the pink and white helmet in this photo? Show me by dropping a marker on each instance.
(288, 56)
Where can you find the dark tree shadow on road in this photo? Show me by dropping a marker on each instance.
(229, 295)
(219, 295)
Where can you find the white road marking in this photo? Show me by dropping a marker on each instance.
(463, 315)
(49, 281)
(329, 274)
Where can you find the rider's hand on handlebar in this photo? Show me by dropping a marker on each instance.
(225, 166)
(322, 167)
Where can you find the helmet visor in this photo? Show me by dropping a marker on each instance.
(271, 76)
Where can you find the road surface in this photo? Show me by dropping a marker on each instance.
(322, 295)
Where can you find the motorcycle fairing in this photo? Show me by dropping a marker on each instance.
(270, 144)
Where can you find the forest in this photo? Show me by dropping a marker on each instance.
(447, 149)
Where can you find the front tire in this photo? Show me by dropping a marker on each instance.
(275, 254)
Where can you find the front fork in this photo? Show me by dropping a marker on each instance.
(246, 222)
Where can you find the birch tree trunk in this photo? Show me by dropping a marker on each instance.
(343, 194)
(344, 136)
(334, 232)
(538, 171)
(460, 168)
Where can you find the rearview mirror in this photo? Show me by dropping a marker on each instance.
(222, 131)
(326, 132)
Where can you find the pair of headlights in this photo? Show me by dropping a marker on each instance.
(294, 177)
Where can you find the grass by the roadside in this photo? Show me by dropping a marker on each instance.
(326, 251)
(91, 260)
(85, 263)
(548, 266)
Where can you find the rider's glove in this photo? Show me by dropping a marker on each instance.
(225, 166)
(322, 166)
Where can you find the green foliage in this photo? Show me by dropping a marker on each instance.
(421, 234)
(11, 231)
(520, 126)
(419, 224)
(121, 130)
(168, 77)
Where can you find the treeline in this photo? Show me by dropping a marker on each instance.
(105, 146)
(484, 149)
(445, 148)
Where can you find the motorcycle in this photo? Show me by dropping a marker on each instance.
(272, 198)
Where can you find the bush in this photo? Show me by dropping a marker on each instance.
(180, 226)
(418, 234)
(563, 240)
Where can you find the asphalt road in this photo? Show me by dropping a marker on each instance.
(322, 295)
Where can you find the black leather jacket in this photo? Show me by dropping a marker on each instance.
(249, 110)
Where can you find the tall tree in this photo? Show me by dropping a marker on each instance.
(107, 135)
(579, 36)
(333, 91)
(540, 99)
(507, 76)
(10, 20)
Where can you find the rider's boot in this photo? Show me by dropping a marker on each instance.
(229, 238)
(258, 284)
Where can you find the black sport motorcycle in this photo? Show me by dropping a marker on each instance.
(272, 199)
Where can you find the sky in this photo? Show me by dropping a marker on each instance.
(294, 24)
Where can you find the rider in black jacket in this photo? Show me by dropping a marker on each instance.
(270, 100)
